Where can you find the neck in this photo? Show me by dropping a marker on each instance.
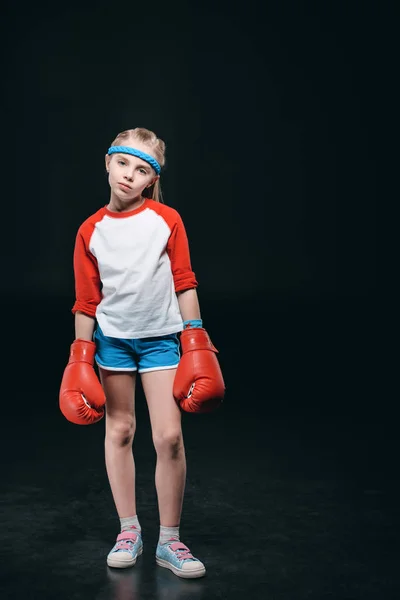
(117, 205)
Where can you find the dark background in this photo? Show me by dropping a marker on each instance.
(271, 113)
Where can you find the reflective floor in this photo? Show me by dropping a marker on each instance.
(292, 486)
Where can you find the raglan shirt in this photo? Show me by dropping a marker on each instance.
(128, 267)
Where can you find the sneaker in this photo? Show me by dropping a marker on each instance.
(127, 548)
(177, 557)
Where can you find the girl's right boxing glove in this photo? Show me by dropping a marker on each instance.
(82, 397)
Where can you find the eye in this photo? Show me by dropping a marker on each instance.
(143, 171)
(121, 162)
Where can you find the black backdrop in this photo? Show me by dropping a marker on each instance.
(273, 114)
(270, 116)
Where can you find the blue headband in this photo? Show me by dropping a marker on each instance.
(128, 150)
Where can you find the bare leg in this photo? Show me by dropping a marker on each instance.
(165, 418)
(119, 388)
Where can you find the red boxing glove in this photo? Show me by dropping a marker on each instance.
(199, 386)
(82, 398)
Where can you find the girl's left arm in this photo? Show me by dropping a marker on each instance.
(189, 304)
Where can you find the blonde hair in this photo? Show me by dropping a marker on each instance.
(157, 147)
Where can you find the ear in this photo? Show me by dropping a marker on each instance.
(108, 158)
(153, 182)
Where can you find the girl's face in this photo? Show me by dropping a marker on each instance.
(129, 175)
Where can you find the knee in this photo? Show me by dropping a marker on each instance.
(121, 433)
(168, 443)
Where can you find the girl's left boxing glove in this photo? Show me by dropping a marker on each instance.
(82, 397)
(199, 385)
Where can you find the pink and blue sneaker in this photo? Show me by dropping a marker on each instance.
(177, 557)
(127, 548)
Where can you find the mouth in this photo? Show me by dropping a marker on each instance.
(124, 186)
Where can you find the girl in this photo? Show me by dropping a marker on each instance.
(135, 291)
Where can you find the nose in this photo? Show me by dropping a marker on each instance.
(128, 176)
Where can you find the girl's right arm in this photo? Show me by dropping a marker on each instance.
(84, 326)
(87, 285)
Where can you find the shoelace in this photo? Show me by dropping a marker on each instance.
(126, 542)
(181, 551)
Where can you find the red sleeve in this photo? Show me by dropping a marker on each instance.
(87, 278)
(178, 252)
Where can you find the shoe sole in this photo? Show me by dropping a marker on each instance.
(113, 561)
(180, 572)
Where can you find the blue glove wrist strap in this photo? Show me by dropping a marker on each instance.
(193, 323)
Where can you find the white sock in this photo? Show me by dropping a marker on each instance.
(129, 522)
(168, 534)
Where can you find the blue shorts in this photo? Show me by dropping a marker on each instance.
(142, 354)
